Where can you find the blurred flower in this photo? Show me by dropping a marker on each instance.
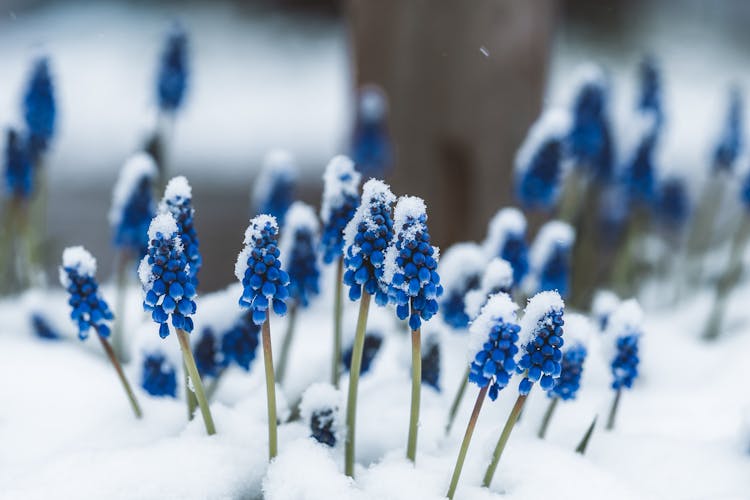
(649, 88)
(340, 201)
(19, 174)
(730, 141)
(320, 409)
(550, 258)
(158, 376)
(673, 203)
(506, 238)
(132, 204)
(208, 358)
(298, 247)
(173, 70)
(461, 271)
(431, 362)
(624, 330)
(77, 276)
(273, 191)
(372, 149)
(372, 344)
(178, 201)
(239, 344)
(39, 107)
(497, 277)
(42, 327)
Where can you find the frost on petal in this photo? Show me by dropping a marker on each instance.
(538, 307)
(78, 259)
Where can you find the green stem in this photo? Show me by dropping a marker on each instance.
(581, 448)
(337, 315)
(187, 356)
(512, 418)
(190, 399)
(416, 389)
(121, 375)
(613, 410)
(351, 402)
(467, 439)
(457, 400)
(287, 343)
(547, 417)
(270, 388)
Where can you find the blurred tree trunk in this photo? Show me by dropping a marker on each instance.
(465, 80)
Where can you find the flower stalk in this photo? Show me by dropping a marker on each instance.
(354, 369)
(466, 441)
(195, 378)
(512, 419)
(270, 389)
(338, 308)
(416, 387)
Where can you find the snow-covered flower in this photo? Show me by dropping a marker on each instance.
(366, 238)
(539, 162)
(173, 70)
(624, 331)
(461, 269)
(158, 375)
(133, 206)
(497, 277)
(239, 344)
(320, 410)
(340, 201)
(492, 344)
(550, 258)
(672, 202)
(273, 191)
(258, 268)
(39, 108)
(178, 201)
(411, 264)
(730, 142)
(165, 276)
(298, 246)
(431, 362)
(77, 276)
(506, 238)
(574, 352)
(372, 150)
(605, 302)
(540, 340)
(207, 353)
(19, 173)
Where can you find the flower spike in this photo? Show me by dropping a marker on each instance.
(273, 191)
(340, 201)
(506, 238)
(178, 201)
(461, 269)
(173, 70)
(39, 107)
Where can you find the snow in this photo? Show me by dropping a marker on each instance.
(554, 124)
(408, 207)
(320, 396)
(299, 217)
(164, 224)
(278, 166)
(507, 221)
(625, 320)
(372, 103)
(340, 180)
(498, 274)
(178, 188)
(498, 307)
(603, 304)
(578, 330)
(459, 263)
(137, 167)
(253, 232)
(374, 192)
(537, 307)
(552, 234)
(77, 258)
(584, 75)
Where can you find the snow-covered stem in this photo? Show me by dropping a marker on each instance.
(338, 308)
(121, 376)
(613, 410)
(581, 448)
(467, 440)
(287, 343)
(512, 419)
(270, 388)
(547, 417)
(457, 400)
(416, 388)
(354, 369)
(200, 395)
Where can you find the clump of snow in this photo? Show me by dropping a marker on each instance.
(374, 192)
(498, 307)
(551, 235)
(178, 188)
(578, 330)
(459, 263)
(253, 232)
(299, 217)
(163, 223)
(320, 396)
(627, 319)
(136, 168)
(408, 207)
(278, 165)
(77, 258)
(603, 305)
(507, 221)
(340, 180)
(554, 124)
(537, 308)
(498, 274)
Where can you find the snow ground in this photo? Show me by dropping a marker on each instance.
(65, 426)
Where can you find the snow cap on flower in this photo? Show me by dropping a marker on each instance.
(372, 150)
(540, 341)
(623, 333)
(258, 269)
(165, 275)
(178, 201)
(461, 269)
(320, 409)
(497, 277)
(731, 141)
(493, 336)
(298, 245)
(672, 202)
(539, 163)
(39, 108)
(132, 203)
(158, 375)
(340, 200)
(603, 305)
(273, 191)
(77, 276)
(173, 69)
(366, 238)
(577, 332)
(411, 264)
(19, 172)
(506, 238)
(239, 344)
(550, 258)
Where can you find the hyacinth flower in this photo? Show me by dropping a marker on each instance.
(624, 331)
(540, 161)
(461, 269)
(239, 344)
(131, 212)
(506, 238)
(89, 311)
(340, 200)
(550, 258)
(39, 108)
(370, 349)
(178, 201)
(493, 336)
(299, 251)
(730, 143)
(320, 411)
(264, 288)
(539, 360)
(431, 362)
(366, 237)
(372, 149)
(414, 287)
(273, 190)
(574, 352)
(649, 89)
(165, 275)
(158, 375)
(42, 327)
(672, 204)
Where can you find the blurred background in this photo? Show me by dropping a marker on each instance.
(463, 82)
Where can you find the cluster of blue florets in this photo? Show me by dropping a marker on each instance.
(183, 212)
(372, 151)
(302, 266)
(264, 283)
(555, 274)
(453, 305)
(639, 177)
(516, 252)
(571, 370)
(431, 365)
(239, 344)
(89, 308)
(673, 203)
(495, 363)
(338, 216)
(158, 376)
(372, 344)
(542, 356)
(538, 185)
(19, 173)
(39, 107)
(625, 365)
(590, 139)
(207, 354)
(131, 233)
(173, 70)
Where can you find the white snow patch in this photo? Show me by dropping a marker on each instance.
(603, 304)
(578, 330)
(79, 259)
(498, 274)
(323, 396)
(164, 224)
(627, 319)
(587, 74)
(460, 262)
(507, 221)
(178, 189)
(340, 180)
(137, 167)
(278, 165)
(253, 231)
(554, 124)
(299, 217)
(374, 192)
(498, 307)
(536, 309)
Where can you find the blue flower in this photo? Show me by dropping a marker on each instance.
(366, 238)
(298, 247)
(731, 140)
(164, 274)
(77, 276)
(497, 278)
(42, 328)
(39, 107)
(133, 206)
(542, 331)
(173, 70)
(492, 344)
(158, 376)
(649, 98)
(461, 269)
(673, 203)
(19, 174)
(550, 257)
(506, 238)
(178, 200)
(264, 283)
(208, 356)
(431, 363)
(577, 331)
(638, 172)
(239, 344)
(624, 331)
(372, 344)
(320, 410)
(273, 191)
(340, 201)
(372, 150)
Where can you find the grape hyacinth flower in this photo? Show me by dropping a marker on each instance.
(431, 362)
(19, 173)
(340, 201)
(170, 293)
(730, 143)
(461, 269)
(492, 350)
(538, 360)
(158, 375)
(173, 70)
(42, 327)
(550, 258)
(413, 286)
(298, 248)
(370, 349)
(372, 149)
(506, 238)
(639, 168)
(133, 206)
(264, 285)
(39, 108)
(239, 344)
(273, 191)
(672, 203)
(366, 237)
(540, 162)
(89, 311)
(649, 82)
(178, 201)
(624, 331)
(320, 410)
(208, 356)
